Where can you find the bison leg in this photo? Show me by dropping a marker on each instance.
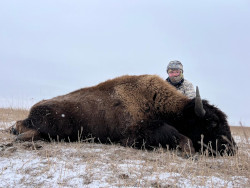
(186, 145)
(28, 135)
(24, 133)
(167, 136)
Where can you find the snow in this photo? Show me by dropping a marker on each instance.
(5, 125)
(15, 171)
(241, 139)
(29, 169)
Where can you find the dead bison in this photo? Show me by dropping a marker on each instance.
(140, 111)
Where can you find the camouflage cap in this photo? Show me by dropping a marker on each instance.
(175, 65)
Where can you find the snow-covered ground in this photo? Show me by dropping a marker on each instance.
(96, 165)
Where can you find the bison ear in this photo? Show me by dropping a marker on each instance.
(199, 110)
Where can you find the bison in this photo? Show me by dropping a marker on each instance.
(140, 111)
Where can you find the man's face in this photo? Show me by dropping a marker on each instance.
(174, 73)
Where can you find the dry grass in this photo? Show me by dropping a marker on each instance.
(79, 164)
(9, 115)
(241, 132)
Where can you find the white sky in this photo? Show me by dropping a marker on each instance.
(49, 48)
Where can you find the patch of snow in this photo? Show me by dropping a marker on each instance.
(218, 182)
(5, 125)
(163, 176)
(49, 172)
(138, 162)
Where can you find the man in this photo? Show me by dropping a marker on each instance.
(176, 78)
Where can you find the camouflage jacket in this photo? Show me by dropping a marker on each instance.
(187, 89)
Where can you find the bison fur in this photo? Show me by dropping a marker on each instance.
(141, 111)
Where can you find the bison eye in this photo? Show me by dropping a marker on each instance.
(213, 124)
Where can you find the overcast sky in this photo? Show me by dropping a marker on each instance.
(49, 48)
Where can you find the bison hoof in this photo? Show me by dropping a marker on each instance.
(191, 156)
(19, 138)
(194, 157)
(30, 135)
(23, 137)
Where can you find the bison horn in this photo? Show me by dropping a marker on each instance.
(199, 110)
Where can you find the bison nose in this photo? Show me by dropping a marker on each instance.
(13, 131)
(233, 150)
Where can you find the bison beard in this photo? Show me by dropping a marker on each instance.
(141, 111)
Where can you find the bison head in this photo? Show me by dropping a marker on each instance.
(207, 127)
